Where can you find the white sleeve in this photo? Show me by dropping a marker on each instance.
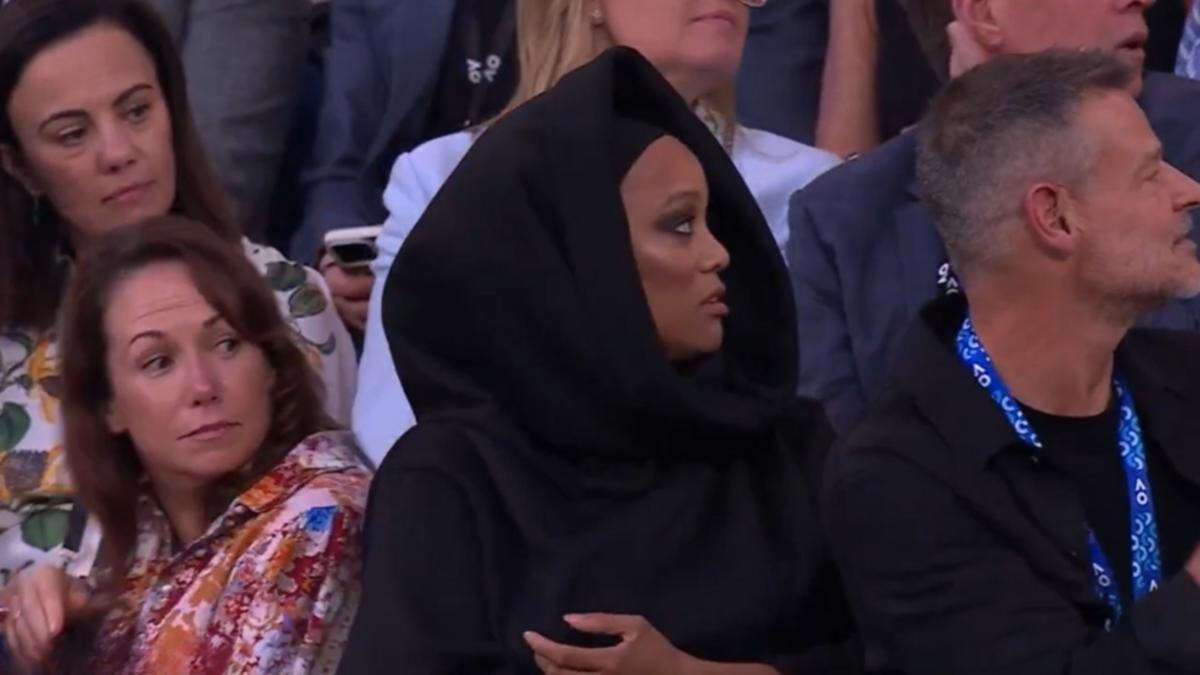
(382, 412)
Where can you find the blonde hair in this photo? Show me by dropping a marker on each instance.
(555, 37)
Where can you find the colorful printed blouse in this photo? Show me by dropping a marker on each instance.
(271, 587)
(37, 520)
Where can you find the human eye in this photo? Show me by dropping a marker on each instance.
(70, 136)
(138, 113)
(680, 223)
(156, 364)
(228, 345)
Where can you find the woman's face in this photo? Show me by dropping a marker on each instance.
(666, 202)
(93, 132)
(194, 397)
(696, 44)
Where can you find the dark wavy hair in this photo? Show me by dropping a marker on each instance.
(105, 466)
(30, 286)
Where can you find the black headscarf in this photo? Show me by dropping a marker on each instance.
(589, 473)
(518, 288)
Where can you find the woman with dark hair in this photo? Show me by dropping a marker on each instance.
(594, 325)
(230, 510)
(95, 134)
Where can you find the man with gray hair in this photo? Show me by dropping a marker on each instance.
(864, 255)
(1024, 498)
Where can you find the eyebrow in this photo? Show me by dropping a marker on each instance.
(64, 114)
(1153, 157)
(679, 196)
(158, 334)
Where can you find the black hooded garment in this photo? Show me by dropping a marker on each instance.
(560, 463)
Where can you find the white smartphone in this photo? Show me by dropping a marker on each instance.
(352, 247)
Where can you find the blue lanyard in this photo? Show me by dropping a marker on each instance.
(1143, 524)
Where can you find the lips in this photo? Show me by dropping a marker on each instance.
(1134, 43)
(128, 192)
(715, 302)
(209, 431)
(719, 15)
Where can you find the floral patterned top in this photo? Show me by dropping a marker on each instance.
(271, 587)
(37, 520)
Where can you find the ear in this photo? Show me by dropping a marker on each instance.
(114, 419)
(977, 17)
(1050, 218)
(14, 165)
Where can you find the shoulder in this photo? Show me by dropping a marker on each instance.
(879, 177)
(418, 174)
(772, 150)
(1164, 355)
(328, 477)
(893, 438)
(1163, 88)
(268, 260)
(436, 158)
(443, 447)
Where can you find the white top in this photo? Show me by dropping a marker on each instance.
(773, 167)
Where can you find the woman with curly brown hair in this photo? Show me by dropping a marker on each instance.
(231, 512)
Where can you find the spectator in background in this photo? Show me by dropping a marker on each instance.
(231, 513)
(96, 134)
(876, 83)
(1024, 497)
(242, 61)
(556, 36)
(877, 80)
(398, 72)
(864, 253)
(779, 83)
(596, 434)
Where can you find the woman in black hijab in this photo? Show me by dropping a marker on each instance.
(594, 434)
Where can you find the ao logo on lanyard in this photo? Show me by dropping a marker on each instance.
(1145, 560)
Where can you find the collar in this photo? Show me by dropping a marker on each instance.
(944, 391)
(323, 452)
(1164, 386)
(320, 453)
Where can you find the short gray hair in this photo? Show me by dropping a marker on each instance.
(997, 129)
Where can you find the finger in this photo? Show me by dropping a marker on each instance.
(13, 643)
(26, 646)
(566, 656)
(353, 313)
(550, 669)
(34, 615)
(623, 625)
(358, 285)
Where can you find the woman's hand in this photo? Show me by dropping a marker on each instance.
(39, 602)
(350, 291)
(642, 648)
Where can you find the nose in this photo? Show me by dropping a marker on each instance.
(714, 257)
(116, 148)
(203, 381)
(1185, 192)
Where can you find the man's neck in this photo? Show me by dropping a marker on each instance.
(1054, 356)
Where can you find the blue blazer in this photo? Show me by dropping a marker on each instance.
(864, 256)
(380, 73)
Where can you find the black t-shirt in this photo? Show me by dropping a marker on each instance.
(479, 70)
(1085, 449)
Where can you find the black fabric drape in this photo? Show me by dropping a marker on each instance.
(560, 463)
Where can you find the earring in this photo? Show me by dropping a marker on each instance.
(597, 16)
